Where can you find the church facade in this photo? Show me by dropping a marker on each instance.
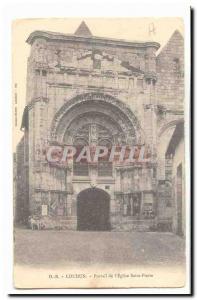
(84, 90)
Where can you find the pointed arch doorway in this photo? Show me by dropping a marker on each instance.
(93, 207)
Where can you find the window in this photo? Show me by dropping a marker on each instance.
(123, 83)
(81, 168)
(104, 169)
(44, 73)
(176, 65)
(131, 83)
(140, 84)
(92, 134)
(136, 205)
(37, 71)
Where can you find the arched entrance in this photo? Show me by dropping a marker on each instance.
(93, 210)
(108, 110)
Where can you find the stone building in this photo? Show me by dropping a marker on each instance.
(175, 152)
(88, 90)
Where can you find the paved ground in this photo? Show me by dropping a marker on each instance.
(41, 248)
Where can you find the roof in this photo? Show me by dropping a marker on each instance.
(25, 118)
(83, 30)
(83, 34)
(176, 35)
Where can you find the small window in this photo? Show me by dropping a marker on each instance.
(37, 71)
(123, 83)
(176, 65)
(140, 84)
(80, 169)
(44, 73)
(105, 169)
(131, 83)
(154, 173)
(148, 80)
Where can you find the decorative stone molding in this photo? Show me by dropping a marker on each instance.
(59, 37)
(106, 104)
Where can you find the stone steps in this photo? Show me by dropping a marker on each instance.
(137, 222)
(59, 218)
(125, 224)
(65, 222)
(133, 225)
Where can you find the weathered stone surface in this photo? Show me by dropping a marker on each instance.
(129, 89)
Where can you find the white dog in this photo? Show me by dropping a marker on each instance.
(35, 224)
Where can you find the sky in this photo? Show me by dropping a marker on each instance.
(137, 29)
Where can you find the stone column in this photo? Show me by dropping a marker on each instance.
(141, 205)
(69, 205)
(118, 181)
(113, 206)
(131, 203)
(126, 201)
(74, 205)
(69, 190)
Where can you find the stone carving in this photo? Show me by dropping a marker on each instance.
(125, 116)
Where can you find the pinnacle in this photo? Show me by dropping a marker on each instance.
(83, 30)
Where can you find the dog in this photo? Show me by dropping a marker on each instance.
(35, 224)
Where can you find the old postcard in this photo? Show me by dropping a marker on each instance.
(99, 153)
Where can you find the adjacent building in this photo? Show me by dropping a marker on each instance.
(176, 152)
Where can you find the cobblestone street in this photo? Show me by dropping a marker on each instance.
(44, 248)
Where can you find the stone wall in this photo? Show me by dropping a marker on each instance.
(170, 73)
(178, 203)
(22, 184)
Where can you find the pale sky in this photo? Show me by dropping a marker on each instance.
(121, 28)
